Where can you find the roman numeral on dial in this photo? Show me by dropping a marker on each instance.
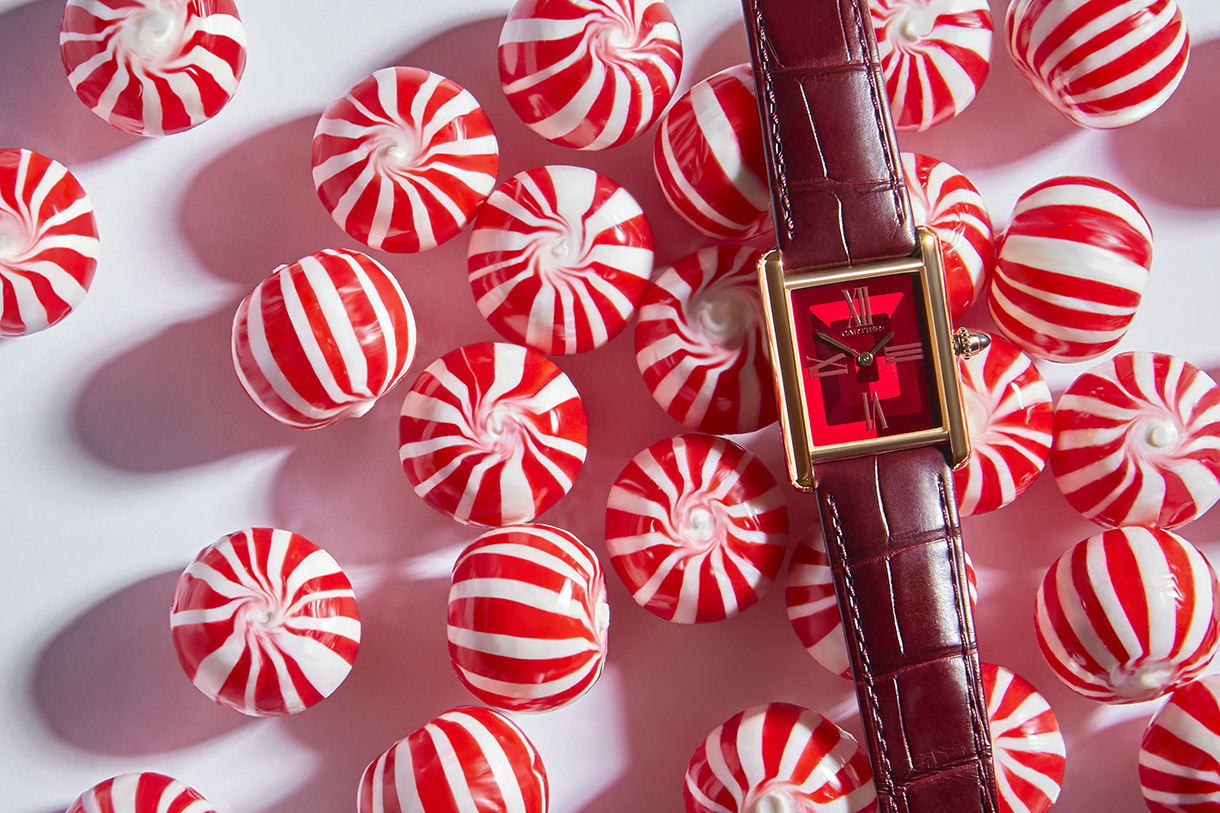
(859, 308)
(821, 368)
(874, 417)
(903, 352)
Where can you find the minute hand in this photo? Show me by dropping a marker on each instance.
(836, 343)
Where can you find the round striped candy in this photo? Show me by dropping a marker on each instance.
(701, 345)
(492, 434)
(265, 622)
(1009, 414)
(528, 618)
(1137, 442)
(467, 759)
(403, 159)
(322, 339)
(589, 74)
(1101, 64)
(140, 793)
(559, 258)
(779, 757)
(696, 528)
(1128, 615)
(1179, 756)
(48, 242)
(1028, 746)
(708, 158)
(935, 55)
(1071, 269)
(153, 68)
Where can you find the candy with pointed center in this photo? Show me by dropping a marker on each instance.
(403, 159)
(1179, 756)
(589, 74)
(153, 68)
(140, 793)
(1028, 746)
(559, 258)
(265, 622)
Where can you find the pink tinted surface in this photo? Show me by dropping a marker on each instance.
(126, 444)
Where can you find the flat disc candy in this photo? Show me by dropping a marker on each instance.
(403, 159)
(696, 528)
(1029, 748)
(1137, 442)
(492, 434)
(265, 622)
(1179, 757)
(559, 258)
(48, 242)
(153, 67)
(589, 74)
(140, 793)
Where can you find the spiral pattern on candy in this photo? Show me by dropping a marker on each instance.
(1179, 756)
(322, 339)
(265, 622)
(559, 258)
(1137, 442)
(779, 757)
(48, 242)
(696, 528)
(492, 434)
(140, 793)
(403, 159)
(466, 759)
(589, 74)
(1128, 615)
(151, 67)
(1030, 755)
(527, 618)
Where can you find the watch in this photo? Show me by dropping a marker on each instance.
(870, 401)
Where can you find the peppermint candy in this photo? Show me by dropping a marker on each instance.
(1102, 65)
(492, 434)
(403, 159)
(153, 68)
(589, 74)
(140, 793)
(466, 759)
(709, 160)
(696, 528)
(779, 757)
(1179, 756)
(528, 618)
(48, 242)
(265, 622)
(322, 339)
(1137, 442)
(935, 55)
(1028, 746)
(1071, 269)
(1009, 414)
(1128, 615)
(559, 258)
(944, 200)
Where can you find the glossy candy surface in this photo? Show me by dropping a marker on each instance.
(1179, 756)
(140, 793)
(1029, 749)
(559, 258)
(1137, 442)
(265, 622)
(403, 159)
(322, 339)
(589, 74)
(696, 528)
(492, 434)
(48, 242)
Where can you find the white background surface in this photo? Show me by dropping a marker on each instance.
(126, 443)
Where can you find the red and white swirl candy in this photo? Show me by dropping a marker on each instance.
(140, 793)
(1128, 615)
(265, 622)
(696, 528)
(403, 159)
(492, 434)
(322, 339)
(468, 758)
(944, 200)
(589, 74)
(1179, 756)
(1071, 269)
(935, 55)
(1028, 746)
(709, 160)
(1102, 65)
(779, 757)
(528, 618)
(48, 242)
(559, 258)
(1137, 442)
(1009, 414)
(151, 67)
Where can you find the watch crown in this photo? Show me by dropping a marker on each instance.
(968, 343)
